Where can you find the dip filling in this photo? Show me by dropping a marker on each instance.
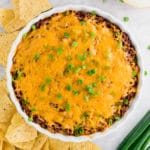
(75, 73)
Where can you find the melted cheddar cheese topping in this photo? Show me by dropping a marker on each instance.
(72, 71)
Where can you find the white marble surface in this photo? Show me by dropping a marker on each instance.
(139, 25)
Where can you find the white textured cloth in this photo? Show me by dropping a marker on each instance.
(139, 25)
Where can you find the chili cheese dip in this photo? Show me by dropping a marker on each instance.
(75, 73)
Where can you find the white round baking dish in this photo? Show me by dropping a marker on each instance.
(9, 77)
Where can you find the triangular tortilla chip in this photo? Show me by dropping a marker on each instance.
(15, 6)
(32, 8)
(7, 146)
(6, 15)
(20, 131)
(1, 144)
(7, 109)
(46, 145)
(39, 142)
(14, 25)
(25, 145)
(6, 41)
(57, 145)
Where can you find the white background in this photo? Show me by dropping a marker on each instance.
(139, 25)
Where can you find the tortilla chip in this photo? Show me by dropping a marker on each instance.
(25, 145)
(6, 15)
(6, 40)
(39, 142)
(83, 146)
(7, 146)
(1, 144)
(32, 8)
(20, 131)
(46, 145)
(14, 25)
(4, 126)
(7, 109)
(2, 135)
(57, 145)
(15, 6)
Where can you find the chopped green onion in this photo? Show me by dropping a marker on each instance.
(134, 73)
(122, 1)
(25, 102)
(33, 27)
(34, 109)
(74, 44)
(69, 68)
(66, 35)
(126, 101)
(36, 57)
(48, 79)
(82, 57)
(107, 57)
(59, 51)
(80, 81)
(94, 84)
(92, 35)
(24, 35)
(91, 72)
(117, 118)
(84, 116)
(77, 69)
(69, 87)
(78, 130)
(17, 75)
(75, 92)
(69, 58)
(145, 73)
(50, 57)
(42, 87)
(67, 107)
(120, 44)
(84, 67)
(30, 119)
(110, 121)
(86, 98)
(83, 22)
(102, 78)
(93, 13)
(59, 96)
(125, 19)
(118, 34)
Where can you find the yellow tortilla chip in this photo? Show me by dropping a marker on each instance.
(46, 145)
(39, 142)
(4, 126)
(57, 145)
(20, 131)
(6, 40)
(15, 6)
(25, 145)
(7, 146)
(14, 25)
(83, 146)
(1, 144)
(7, 109)
(32, 8)
(6, 15)
(2, 135)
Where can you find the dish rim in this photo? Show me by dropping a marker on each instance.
(10, 63)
